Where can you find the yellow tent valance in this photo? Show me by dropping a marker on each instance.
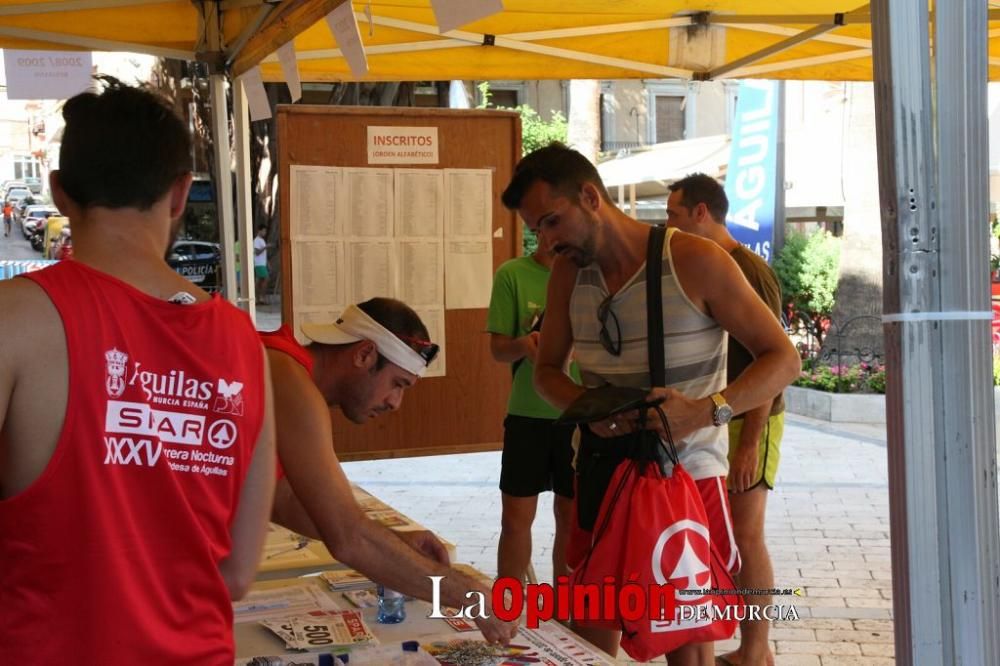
(529, 39)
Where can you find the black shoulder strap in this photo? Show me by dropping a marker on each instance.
(654, 305)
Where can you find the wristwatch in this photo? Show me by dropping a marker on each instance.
(722, 413)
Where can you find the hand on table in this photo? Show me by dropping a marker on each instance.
(496, 630)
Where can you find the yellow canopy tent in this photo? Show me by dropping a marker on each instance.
(932, 133)
(529, 39)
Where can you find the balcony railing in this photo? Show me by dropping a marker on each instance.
(619, 146)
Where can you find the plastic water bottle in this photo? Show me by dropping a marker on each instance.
(391, 606)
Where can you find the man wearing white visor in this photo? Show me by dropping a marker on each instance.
(361, 364)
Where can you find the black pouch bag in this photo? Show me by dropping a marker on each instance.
(598, 457)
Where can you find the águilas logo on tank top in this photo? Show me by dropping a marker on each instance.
(174, 388)
(114, 381)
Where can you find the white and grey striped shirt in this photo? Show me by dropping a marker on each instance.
(694, 345)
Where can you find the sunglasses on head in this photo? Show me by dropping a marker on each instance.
(425, 349)
(604, 312)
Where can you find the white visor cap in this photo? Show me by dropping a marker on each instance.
(354, 325)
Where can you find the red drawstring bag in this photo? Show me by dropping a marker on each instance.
(602, 550)
(652, 530)
(669, 543)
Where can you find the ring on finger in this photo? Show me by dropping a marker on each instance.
(613, 426)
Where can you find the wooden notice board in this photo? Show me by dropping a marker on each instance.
(462, 411)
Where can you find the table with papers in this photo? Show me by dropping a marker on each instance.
(288, 554)
(274, 602)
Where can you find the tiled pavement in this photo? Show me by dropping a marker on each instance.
(827, 527)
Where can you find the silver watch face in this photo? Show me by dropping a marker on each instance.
(723, 415)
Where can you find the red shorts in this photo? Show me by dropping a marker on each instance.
(720, 520)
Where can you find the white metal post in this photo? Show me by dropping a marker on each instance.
(942, 481)
(223, 183)
(778, 230)
(244, 202)
(967, 449)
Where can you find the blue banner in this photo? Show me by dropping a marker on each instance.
(751, 180)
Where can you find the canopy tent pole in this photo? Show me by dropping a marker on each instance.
(244, 202)
(973, 539)
(224, 185)
(939, 412)
(211, 48)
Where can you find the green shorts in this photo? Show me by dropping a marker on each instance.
(769, 447)
(260, 272)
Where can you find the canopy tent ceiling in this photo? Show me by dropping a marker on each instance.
(529, 39)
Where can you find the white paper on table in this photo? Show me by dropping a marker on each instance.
(368, 203)
(282, 602)
(253, 86)
(290, 69)
(451, 14)
(433, 319)
(468, 203)
(315, 192)
(553, 640)
(318, 273)
(421, 273)
(419, 203)
(550, 643)
(344, 26)
(371, 265)
(341, 628)
(468, 273)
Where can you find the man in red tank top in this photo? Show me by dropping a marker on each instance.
(136, 427)
(360, 364)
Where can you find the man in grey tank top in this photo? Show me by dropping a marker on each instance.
(601, 253)
(698, 205)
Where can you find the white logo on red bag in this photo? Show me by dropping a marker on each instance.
(683, 550)
(230, 398)
(114, 381)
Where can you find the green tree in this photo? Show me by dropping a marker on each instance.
(807, 268)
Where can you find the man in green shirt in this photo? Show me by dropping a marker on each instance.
(537, 453)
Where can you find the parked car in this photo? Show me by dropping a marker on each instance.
(33, 216)
(34, 184)
(17, 195)
(33, 200)
(198, 261)
(13, 184)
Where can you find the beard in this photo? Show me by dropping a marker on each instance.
(359, 403)
(582, 255)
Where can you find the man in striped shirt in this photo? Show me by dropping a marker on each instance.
(596, 304)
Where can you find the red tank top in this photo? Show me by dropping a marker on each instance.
(283, 340)
(112, 555)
